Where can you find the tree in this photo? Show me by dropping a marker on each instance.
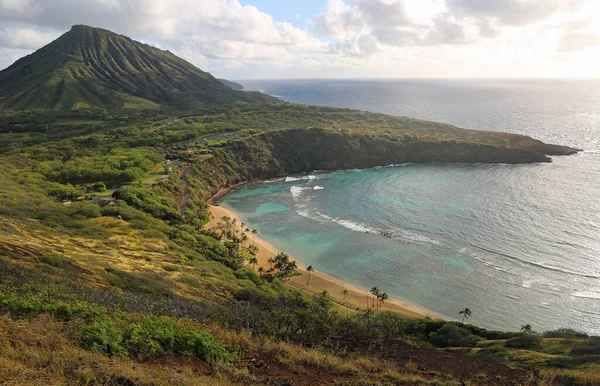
(253, 250)
(284, 266)
(375, 292)
(99, 187)
(526, 328)
(253, 261)
(465, 314)
(224, 224)
(254, 232)
(310, 270)
(382, 297)
(261, 271)
(345, 292)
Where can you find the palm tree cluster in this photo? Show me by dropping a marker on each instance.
(239, 251)
(381, 297)
(283, 266)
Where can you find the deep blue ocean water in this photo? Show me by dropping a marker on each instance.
(517, 244)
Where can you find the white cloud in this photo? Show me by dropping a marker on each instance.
(25, 38)
(349, 38)
(18, 7)
(512, 12)
(575, 41)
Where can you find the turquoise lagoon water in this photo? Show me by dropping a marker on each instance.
(517, 244)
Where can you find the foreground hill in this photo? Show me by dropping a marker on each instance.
(91, 67)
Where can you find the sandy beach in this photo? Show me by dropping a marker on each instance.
(319, 282)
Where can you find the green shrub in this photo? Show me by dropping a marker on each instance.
(33, 305)
(62, 192)
(452, 335)
(248, 274)
(85, 209)
(565, 333)
(100, 187)
(102, 335)
(589, 347)
(152, 336)
(525, 341)
(150, 202)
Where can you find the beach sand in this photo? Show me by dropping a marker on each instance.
(319, 282)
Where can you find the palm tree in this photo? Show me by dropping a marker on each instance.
(310, 270)
(226, 219)
(261, 271)
(465, 314)
(526, 328)
(345, 292)
(382, 298)
(254, 232)
(375, 292)
(253, 261)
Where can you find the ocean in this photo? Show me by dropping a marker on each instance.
(517, 244)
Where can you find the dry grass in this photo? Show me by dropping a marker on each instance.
(125, 259)
(41, 352)
(588, 376)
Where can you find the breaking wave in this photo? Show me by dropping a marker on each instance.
(587, 295)
(303, 178)
(403, 235)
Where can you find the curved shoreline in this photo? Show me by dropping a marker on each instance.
(356, 299)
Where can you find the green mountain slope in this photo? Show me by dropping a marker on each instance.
(233, 85)
(91, 67)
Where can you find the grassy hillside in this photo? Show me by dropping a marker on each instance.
(95, 68)
(136, 290)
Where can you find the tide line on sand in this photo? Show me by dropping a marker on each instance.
(319, 282)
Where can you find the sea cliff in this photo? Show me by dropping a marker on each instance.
(280, 152)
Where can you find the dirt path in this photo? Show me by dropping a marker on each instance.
(185, 188)
(155, 129)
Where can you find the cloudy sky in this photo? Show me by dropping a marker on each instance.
(243, 39)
